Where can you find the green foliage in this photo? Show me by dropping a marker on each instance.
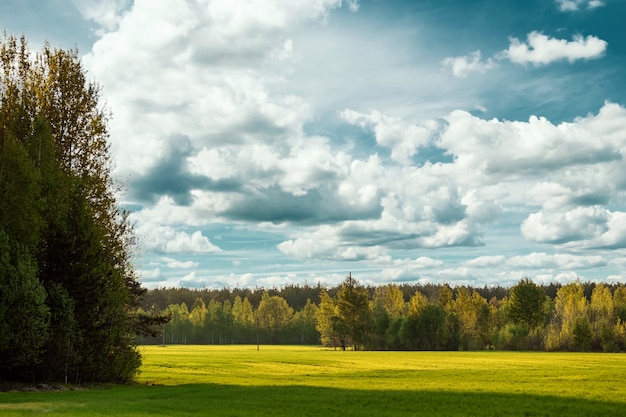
(24, 316)
(68, 279)
(273, 314)
(304, 322)
(582, 334)
(446, 320)
(527, 304)
(353, 313)
(329, 324)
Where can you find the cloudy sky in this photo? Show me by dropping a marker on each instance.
(274, 142)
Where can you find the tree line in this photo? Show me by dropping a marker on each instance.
(68, 292)
(573, 317)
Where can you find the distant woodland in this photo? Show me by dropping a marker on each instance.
(573, 317)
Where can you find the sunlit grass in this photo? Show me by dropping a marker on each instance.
(580, 375)
(312, 381)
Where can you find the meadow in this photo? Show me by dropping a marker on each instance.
(313, 381)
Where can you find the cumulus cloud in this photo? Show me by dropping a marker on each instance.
(107, 14)
(539, 260)
(216, 136)
(540, 49)
(210, 86)
(409, 269)
(401, 137)
(165, 239)
(153, 275)
(486, 261)
(614, 237)
(494, 162)
(462, 66)
(579, 223)
(178, 264)
(506, 149)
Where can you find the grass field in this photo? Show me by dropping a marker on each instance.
(311, 381)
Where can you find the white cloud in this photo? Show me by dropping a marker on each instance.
(542, 260)
(421, 263)
(593, 4)
(318, 244)
(153, 275)
(615, 235)
(616, 278)
(165, 239)
(228, 85)
(409, 269)
(353, 5)
(574, 5)
(403, 138)
(509, 149)
(177, 264)
(106, 13)
(486, 261)
(183, 243)
(462, 66)
(211, 85)
(579, 223)
(541, 49)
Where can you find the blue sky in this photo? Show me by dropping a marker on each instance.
(274, 142)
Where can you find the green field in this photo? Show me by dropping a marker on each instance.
(311, 381)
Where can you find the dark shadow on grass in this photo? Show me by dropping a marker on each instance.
(232, 400)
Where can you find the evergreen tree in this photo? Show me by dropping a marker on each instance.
(527, 304)
(24, 316)
(58, 208)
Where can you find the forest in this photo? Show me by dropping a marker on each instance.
(573, 317)
(68, 291)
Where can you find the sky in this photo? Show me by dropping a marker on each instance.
(269, 143)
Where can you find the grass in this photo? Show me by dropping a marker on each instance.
(311, 381)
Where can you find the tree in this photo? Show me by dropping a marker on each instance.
(468, 308)
(570, 310)
(527, 304)
(601, 319)
(417, 303)
(304, 322)
(388, 304)
(431, 328)
(390, 298)
(58, 203)
(274, 314)
(329, 325)
(243, 320)
(197, 317)
(24, 316)
(619, 302)
(353, 312)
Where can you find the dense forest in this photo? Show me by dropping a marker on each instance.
(68, 292)
(573, 317)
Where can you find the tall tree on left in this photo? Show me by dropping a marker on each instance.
(69, 224)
